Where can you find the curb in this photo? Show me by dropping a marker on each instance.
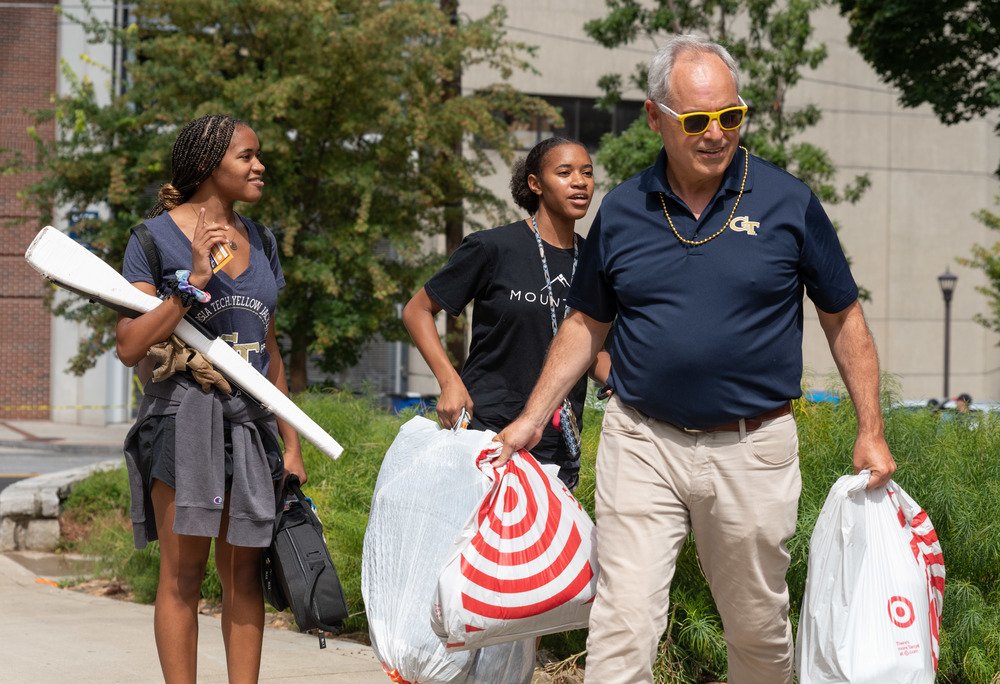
(30, 508)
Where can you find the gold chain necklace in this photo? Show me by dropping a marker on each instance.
(695, 243)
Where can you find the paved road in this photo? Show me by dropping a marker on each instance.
(28, 460)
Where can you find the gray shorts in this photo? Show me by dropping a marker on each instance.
(156, 452)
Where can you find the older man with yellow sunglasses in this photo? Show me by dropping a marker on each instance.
(702, 260)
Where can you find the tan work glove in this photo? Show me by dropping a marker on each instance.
(173, 356)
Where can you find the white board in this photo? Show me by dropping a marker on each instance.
(70, 265)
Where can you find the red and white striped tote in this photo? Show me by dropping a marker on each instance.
(927, 551)
(524, 565)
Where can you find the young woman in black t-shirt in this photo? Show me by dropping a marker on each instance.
(518, 278)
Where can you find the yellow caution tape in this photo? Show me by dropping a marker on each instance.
(48, 407)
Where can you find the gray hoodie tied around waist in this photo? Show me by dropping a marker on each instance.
(200, 466)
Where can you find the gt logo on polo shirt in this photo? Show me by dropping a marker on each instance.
(743, 224)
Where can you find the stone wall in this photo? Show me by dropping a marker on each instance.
(30, 509)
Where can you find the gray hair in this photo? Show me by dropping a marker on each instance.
(662, 64)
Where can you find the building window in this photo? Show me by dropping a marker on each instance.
(583, 120)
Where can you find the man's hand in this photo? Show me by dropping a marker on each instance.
(523, 433)
(572, 352)
(872, 453)
(854, 352)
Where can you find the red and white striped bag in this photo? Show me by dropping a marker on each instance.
(524, 565)
(926, 548)
(426, 487)
(874, 591)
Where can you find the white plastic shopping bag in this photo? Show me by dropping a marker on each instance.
(874, 590)
(525, 564)
(426, 487)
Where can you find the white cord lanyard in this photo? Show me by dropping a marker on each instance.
(567, 419)
(545, 269)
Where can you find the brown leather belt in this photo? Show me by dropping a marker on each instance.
(750, 424)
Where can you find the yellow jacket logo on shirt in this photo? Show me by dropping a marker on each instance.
(743, 224)
(243, 349)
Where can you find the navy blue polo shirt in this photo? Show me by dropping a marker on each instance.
(708, 334)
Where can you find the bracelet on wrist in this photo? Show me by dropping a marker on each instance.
(178, 284)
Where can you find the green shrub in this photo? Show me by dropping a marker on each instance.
(952, 469)
(101, 492)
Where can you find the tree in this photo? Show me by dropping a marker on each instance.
(945, 53)
(454, 209)
(942, 52)
(358, 128)
(770, 40)
(987, 260)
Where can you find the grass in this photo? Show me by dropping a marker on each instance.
(951, 470)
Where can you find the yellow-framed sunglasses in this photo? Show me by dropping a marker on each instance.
(696, 123)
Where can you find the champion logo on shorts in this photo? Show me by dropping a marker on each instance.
(217, 501)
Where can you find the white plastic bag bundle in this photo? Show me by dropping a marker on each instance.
(874, 590)
(525, 564)
(426, 487)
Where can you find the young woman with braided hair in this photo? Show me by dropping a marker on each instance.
(205, 464)
(518, 277)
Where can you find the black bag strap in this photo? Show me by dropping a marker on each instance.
(265, 239)
(145, 238)
(315, 570)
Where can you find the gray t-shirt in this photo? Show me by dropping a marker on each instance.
(241, 307)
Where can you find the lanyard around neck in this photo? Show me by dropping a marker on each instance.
(548, 280)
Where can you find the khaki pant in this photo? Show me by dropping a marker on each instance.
(739, 494)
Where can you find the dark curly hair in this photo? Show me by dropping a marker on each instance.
(531, 165)
(198, 150)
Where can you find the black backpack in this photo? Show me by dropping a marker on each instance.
(296, 570)
(145, 238)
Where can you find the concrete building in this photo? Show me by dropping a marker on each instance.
(34, 40)
(914, 221)
(28, 54)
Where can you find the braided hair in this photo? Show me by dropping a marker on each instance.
(198, 150)
(531, 165)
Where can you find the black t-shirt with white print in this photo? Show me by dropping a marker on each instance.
(501, 271)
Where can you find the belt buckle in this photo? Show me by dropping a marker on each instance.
(692, 430)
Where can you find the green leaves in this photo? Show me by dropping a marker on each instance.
(772, 41)
(987, 260)
(624, 155)
(942, 52)
(358, 132)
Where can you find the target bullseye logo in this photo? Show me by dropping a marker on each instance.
(901, 611)
(523, 560)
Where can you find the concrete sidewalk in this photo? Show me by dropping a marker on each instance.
(52, 635)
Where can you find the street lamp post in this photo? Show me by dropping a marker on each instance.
(947, 281)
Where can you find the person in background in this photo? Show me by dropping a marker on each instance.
(962, 402)
(204, 463)
(701, 261)
(517, 277)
